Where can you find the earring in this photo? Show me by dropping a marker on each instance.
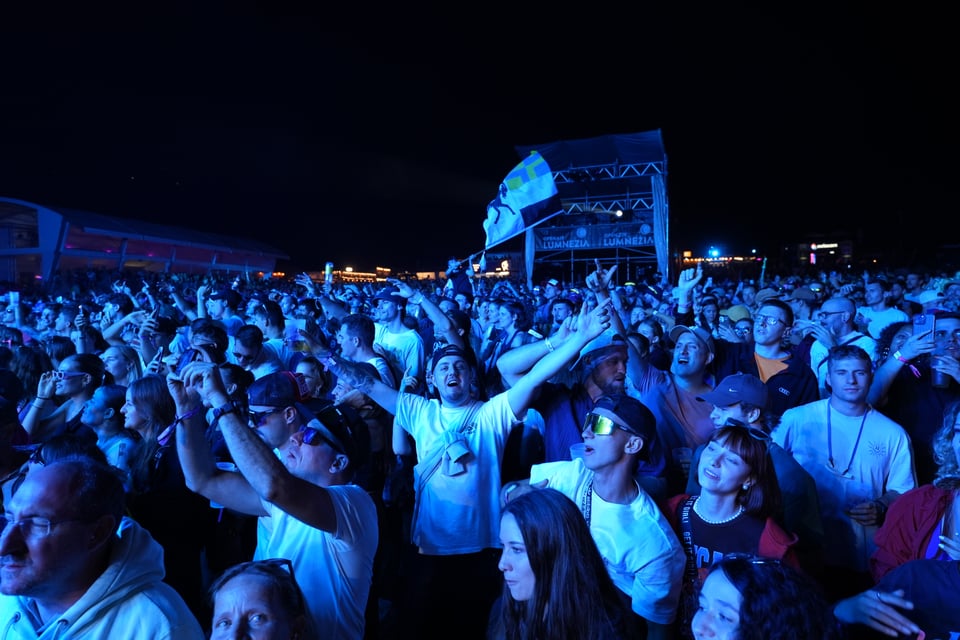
(745, 487)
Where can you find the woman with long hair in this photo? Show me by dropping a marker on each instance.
(549, 561)
(123, 362)
(512, 322)
(751, 598)
(734, 513)
(179, 519)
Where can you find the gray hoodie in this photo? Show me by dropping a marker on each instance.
(127, 601)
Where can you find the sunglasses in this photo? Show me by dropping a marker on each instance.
(63, 375)
(601, 425)
(315, 438)
(256, 417)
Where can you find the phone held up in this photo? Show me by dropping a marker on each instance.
(923, 322)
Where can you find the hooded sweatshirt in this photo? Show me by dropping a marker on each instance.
(128, 601)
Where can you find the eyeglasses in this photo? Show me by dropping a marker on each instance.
(256, 417)
(601, 425)
(63, 375)
(32, 528)
(769, 321)
(823, 315)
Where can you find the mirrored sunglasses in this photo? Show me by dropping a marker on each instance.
(601, 425)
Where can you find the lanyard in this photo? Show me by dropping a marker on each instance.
(855, 444)
(586, 502)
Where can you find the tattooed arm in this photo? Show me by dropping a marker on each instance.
(359, 379)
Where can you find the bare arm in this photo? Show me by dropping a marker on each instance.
(441, 322)
(886, 373)
(44, 417)
(199, 470)
(268, 477)
(590, 324)
(112, 333)
(382, 394)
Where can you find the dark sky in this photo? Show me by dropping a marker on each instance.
(376, 136)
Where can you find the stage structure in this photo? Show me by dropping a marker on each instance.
(614, 195)
(37, 241)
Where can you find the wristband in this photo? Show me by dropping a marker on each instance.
(40, 398)
(913, 369)
(549, 344)
(419, 299)
(188, 414)
(224, 409)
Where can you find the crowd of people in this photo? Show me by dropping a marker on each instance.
(187, 456)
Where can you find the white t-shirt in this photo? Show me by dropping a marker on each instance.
(639, 547)
(458, 512)
(333, 570)
(404, 350)
(883, 461)
(880, 319)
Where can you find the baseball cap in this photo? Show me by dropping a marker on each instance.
(736, 313)
(765, 294)
(639, 420)
(231, 297)
(278, 389)
(802, 293)
(391, 294)
(603, 345)
(344, 431)
(929, 296)
(739, 387)
(452, 350)
(701, 335)
(553, 281)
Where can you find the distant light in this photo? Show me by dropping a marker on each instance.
(618, 213)
(348, 269)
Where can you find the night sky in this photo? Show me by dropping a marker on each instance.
(376, 136)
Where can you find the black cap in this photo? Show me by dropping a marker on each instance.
(347, 432)
(635, 415)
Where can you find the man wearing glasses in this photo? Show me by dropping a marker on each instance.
(640, 549)
(73, 566)
(789, 380)
(835, 325)
(317, 518)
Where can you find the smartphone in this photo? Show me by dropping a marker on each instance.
(923, 322)
(190, 355)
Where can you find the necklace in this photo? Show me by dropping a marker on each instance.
(856, 444)
(735, 515)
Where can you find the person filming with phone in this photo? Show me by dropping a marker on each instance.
(903, 387)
